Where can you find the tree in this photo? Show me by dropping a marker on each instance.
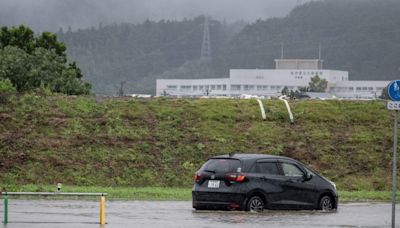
(317, 84)
(30, 62)
(6, 86)
(285, 91)
(384, 94)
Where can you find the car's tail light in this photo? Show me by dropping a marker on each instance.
(197, 177)
(237, 177)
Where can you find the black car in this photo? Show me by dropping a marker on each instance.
(254, 182)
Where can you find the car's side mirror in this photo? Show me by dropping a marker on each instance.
(307, 176)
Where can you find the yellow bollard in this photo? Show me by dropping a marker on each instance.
(102, 210)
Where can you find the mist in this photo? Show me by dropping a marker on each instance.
(53, 14)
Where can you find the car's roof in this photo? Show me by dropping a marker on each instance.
(248, 156)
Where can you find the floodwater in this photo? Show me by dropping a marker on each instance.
(76, 213)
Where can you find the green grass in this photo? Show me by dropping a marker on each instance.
(180, 194)
(366, 196)
(87, 141)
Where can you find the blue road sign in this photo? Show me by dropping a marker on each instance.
(394, 90)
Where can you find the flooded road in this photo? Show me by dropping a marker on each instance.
(72, 213)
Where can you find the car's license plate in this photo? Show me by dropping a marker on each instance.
(213, 183)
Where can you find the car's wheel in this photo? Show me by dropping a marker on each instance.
(326, 203)
(255, 204)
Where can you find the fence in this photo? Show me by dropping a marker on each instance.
(102, 200)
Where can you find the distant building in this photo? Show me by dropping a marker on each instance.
(290, 73)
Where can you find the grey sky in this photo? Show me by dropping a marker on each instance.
(52, 14)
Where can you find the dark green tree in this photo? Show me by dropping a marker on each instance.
(30, 62)
(317, 84)
(285, 91)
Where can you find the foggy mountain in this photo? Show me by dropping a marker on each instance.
(359, 36)
(53, 14)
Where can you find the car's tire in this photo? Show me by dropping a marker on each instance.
(326, 203)
(255, 204)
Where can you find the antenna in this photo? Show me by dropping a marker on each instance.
(206, 45)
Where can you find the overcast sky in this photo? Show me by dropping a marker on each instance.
(53, 14)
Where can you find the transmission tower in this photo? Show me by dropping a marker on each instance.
(206, 45)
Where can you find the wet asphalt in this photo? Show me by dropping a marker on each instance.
(74, 213)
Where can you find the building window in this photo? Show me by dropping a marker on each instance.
(201, 87)
(186, 87)
(248, 87)
(172, 87)
(223, 87)
(218, 87)
(212, 87)
(265, 87)
(358, 89)
(195, 88)
(259, 87)
(235, 87)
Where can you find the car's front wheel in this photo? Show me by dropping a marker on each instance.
(255, 204)
(326, 203)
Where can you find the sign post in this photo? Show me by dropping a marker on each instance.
(394, 95)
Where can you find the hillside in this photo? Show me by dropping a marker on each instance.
(131, 52)
(359, 36)
(160, 142)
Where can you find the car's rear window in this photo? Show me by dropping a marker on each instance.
(222, 165)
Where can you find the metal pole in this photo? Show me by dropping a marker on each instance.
(5, 209)
(394, 180)
(102, 210)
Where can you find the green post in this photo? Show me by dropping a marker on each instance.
(5, 208)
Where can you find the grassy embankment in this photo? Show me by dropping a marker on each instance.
(118, 144)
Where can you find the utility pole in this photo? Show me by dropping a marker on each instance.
(206, 45)
(319, 51)
(320, 55)
(282, 50)
(121, 91)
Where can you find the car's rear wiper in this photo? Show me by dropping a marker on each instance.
(209, 171)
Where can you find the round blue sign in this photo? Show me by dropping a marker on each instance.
(394, 90)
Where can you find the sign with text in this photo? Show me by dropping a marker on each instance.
(393, 105)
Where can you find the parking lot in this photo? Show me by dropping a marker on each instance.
(73, 213)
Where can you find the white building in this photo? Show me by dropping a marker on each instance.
(291, 73)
